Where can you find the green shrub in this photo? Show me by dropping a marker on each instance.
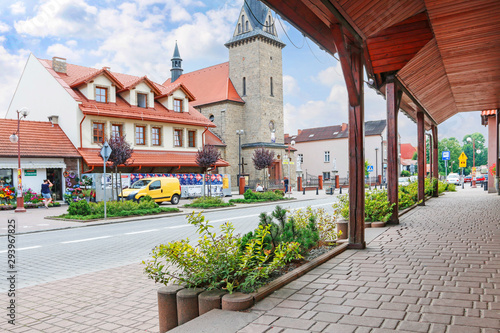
(325, 223)
(217, 261)
(377, 206)
(208, 202)
(405, 173)
(405, 200)
(80, 207)
(146, 198)
(251, 196)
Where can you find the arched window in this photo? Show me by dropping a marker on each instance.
(271, 83)
(239, 28)
(266, 27)
(246, 26)
(243, 22)
(211, 118)
(244, 86)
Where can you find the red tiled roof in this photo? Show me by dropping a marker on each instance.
(149, 158)
(145, 79)
(122, 109)
(213, 140)
(407, 151)
(488, 113)
(76, 75)
(210, 85)
(38, 139)
(169, 89)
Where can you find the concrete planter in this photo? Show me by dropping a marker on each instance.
(343, 225)
(187, 304)
(368, 224)
(209, 300)
(378, 224)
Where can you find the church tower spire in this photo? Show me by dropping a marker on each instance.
(176, 70)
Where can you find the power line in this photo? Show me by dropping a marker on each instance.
(255, 17)
(282, 27)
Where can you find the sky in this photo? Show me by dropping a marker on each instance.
(138, 37)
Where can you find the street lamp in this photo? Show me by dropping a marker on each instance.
(376, 165)
(469, 139)
(15, 137)
(289, 172)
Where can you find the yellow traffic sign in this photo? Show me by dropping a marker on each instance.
(463, 160)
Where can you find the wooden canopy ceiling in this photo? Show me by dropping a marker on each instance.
(444, 53)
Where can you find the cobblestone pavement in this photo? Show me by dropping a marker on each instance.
(438, 271)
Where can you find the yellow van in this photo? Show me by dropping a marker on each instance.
(159, 188)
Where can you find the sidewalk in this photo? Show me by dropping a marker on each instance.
(34, 219)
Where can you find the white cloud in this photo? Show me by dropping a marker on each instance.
(179, 14)
(69, 51)
(331, 76)
(4, 27)
(290, 85)
(12, 65)
(61, 18)
(17, 8)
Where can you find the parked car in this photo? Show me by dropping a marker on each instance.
(159, 188)
(453, 178)
(481, 178)
(468, 179)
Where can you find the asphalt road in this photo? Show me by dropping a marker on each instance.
(54, 255)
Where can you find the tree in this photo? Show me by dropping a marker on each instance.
(263, 159)
(205, 158)
(120, 155)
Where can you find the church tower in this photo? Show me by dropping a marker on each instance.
(176, 69)
(255, 69)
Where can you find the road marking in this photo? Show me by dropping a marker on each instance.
(141, 232)
(84, 240)
(24, 248)
(234, 218)
(177, 226)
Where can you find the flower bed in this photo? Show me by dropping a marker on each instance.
(83, 210)
(208, 202)
(252, 197)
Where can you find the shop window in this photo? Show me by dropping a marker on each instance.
(6, 177)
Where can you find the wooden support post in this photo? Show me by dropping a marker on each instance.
(492, 150)
(351, 61)
(435, 159)
(393, 97)
(421, 157)
(498, 151)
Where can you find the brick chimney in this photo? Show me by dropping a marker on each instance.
(344, 127)
(59, 64)
(287, 136)
(298, 132)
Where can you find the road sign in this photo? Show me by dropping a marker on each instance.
(446, 155)
(463, 160)
(106, 151)
(369, 168)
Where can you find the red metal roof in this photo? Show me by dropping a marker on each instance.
(210, 85)
(213, 140)
(150, 158)
(407, 151)
(38, 139)
(76, 75)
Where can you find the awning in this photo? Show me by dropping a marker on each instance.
(32, 164)
(151, 158)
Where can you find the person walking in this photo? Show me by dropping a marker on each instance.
(47, 197)
(286, 184)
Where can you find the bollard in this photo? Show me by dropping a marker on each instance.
(303, 190)
(485, 185)
(167, 307)
(340, 190)
(380, 186)
(317, 191)
(463, 185)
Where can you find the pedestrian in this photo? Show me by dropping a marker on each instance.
(259, 188)
(47, 198)
(286, 184)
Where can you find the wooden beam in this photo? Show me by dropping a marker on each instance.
(340, 18)
(345, 51)
(393, 97)
(421, 157)
(435, 159)
(356, 156)
(417, 103)
(492, 148)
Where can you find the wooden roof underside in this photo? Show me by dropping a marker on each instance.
(446, 53)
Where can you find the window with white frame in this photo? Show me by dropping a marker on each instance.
(327, 156)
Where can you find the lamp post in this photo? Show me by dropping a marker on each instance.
(469, 139)
(239, 133)
(382, 155)
(292, 143)
(15, 137)
(376, 165)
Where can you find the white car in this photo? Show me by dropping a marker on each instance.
(453, 178)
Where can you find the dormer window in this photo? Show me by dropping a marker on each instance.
(177, 105)
(142, 100)
(101, 94)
